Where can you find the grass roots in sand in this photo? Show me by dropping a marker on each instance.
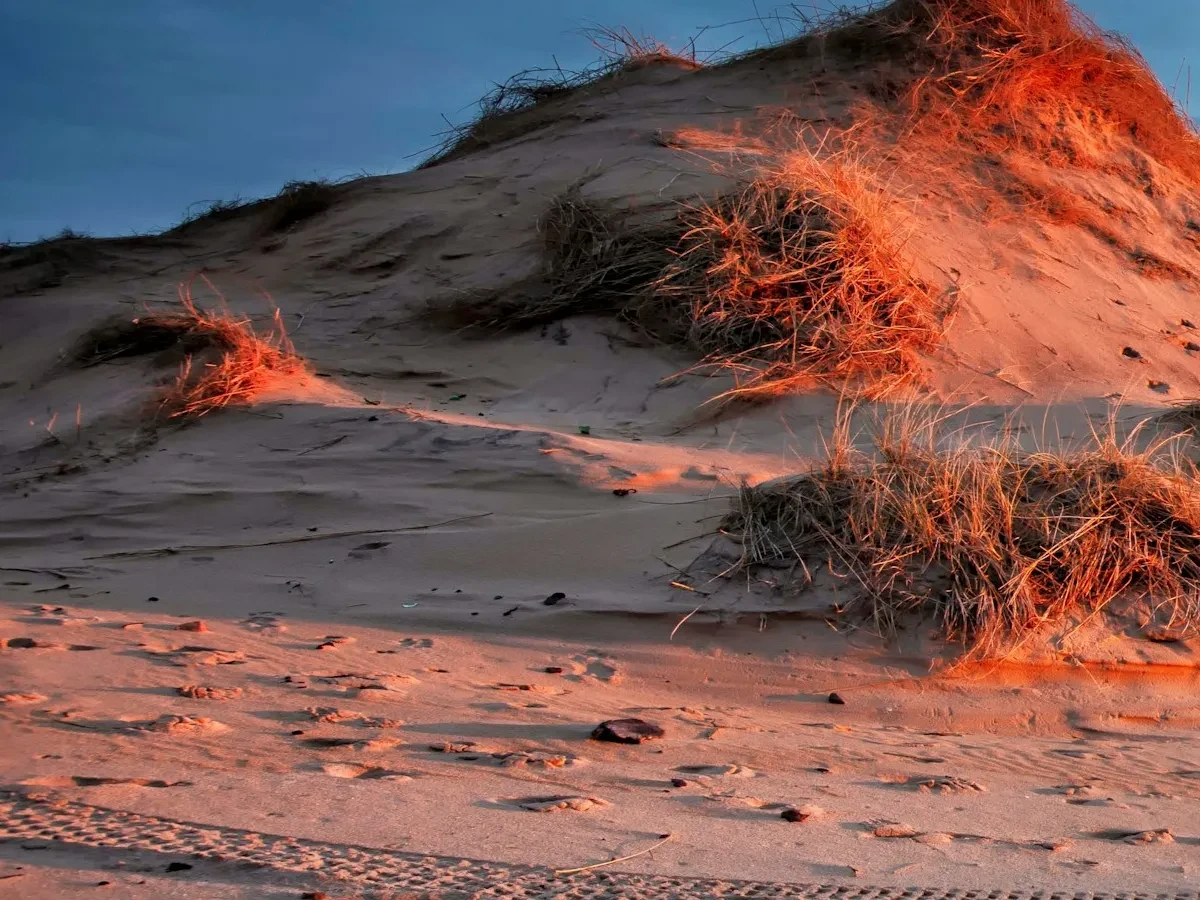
(995, 542)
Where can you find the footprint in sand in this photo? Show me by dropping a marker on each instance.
(415, 643)
(718, 771)
(59, 781)
(265, 622)
(20, 699)
(558, 804)
(593, 665)
(177, 725)
(938, 784)
(378, 745)
(24, 643)
(356, 770)
(203, 692)
(333, 715)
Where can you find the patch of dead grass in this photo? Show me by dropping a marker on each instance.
(798, 277)
(247, 360)
(993, 541)
(1034, 75)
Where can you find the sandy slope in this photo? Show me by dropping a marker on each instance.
(424, 494)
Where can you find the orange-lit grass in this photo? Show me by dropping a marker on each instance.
(245, 360)
(994, 541)
(1034, 74)
(800, 277)
(797, 277)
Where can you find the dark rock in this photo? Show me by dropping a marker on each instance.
(1130, 353)
(555, 598)
(554, 670)
(836, 699)
(679, 782)
(178, 867)
(626, 731)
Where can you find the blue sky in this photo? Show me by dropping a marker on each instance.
(118, 114)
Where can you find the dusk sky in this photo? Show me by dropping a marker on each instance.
(118, 114)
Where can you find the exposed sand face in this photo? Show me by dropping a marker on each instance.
(376, 554)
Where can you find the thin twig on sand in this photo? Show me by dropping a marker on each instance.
(618, 859)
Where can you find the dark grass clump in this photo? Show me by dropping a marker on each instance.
(992, 541)
(152, 334)
(524, 102)
(298, 202)
(48, 263)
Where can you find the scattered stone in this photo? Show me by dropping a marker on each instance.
(1186, 323)
(836, 699)
(555, 598)
(334, 640)
(178, 867)
(203, 692)
(626, 731)
(196, 625)
(679, 782)
(133, 626)
(1130, 353)
(554, 804)
(1192, 347)
(802, 814)
(315, 895)
(1159, 387)
(554, 670)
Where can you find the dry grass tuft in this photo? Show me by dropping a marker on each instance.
(228, 361)
(296, 202)
(994, 541)
(1037, 75)
(798, 277)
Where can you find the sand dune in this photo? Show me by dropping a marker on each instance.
(363, 615)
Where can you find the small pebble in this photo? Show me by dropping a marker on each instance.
(626, 731)
(554, 670)
(836, 699)
(555, 598)
(196, 625)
